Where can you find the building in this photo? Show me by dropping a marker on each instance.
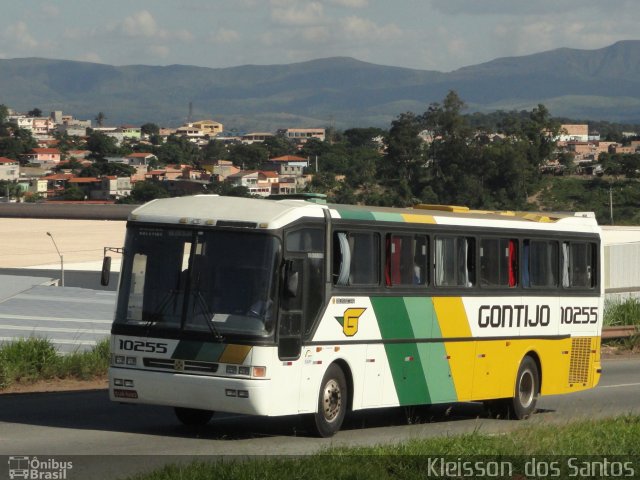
(574, 133)
(9, 169)
(209, 127)
(255, 181)
(48, 157)
(255, 137)
(302, 135)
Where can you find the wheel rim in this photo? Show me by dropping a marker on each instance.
(526, 389)
(331, 400)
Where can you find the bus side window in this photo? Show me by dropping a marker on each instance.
(406, 260)
(543, 263)
(356, 258)
(455, 259)
(498, 262)
(578, 265)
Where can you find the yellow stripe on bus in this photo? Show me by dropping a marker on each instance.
(235, 353)
(414, 218)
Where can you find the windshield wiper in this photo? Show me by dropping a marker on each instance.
(208, 316)
(158, 314)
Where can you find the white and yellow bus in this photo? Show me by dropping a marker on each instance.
(293, 306)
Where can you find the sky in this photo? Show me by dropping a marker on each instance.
(440, 35)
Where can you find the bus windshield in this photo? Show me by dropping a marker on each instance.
(219, 283)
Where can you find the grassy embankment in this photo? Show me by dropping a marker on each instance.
(33, 359)
(589, 441)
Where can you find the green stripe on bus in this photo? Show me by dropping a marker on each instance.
(355, 215)
(200, 351)
(404, 358)
(388, 217)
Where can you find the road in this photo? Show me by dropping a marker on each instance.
(58, 425)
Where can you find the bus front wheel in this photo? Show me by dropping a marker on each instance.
(523, 404)
(192, 416)
(332, 402)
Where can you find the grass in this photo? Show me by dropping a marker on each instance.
(620, 313)
(617, 439)
(33, 359)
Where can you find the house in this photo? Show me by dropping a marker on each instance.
(222, 169)
(113, 188)
(256, 137)
(302, 135)
(288, 165)
(140, 158)
(209, 127)
(33, 186)
(255, 181)
(9, 169)
(44, 156)
(57, 183)
(576, 133)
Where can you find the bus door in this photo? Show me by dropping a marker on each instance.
(302, 289)
(302, 292)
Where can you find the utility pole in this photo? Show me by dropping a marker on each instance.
(61, 260)
(611, 204)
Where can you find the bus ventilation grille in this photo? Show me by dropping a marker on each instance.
(580, 360)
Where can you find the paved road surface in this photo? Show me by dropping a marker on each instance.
(86, 423)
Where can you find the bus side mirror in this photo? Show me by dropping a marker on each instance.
(106, 271)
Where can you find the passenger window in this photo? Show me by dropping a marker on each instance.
(541, 262)
(406, 260)
(356, 258)
(578, 265)
(455, 261)
(498, 262)
(305, 240)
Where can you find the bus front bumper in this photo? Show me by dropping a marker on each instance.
(219, 394)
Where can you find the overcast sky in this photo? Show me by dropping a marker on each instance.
(425, 34)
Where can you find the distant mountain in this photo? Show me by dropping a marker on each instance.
(599, 84)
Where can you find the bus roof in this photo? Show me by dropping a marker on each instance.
(213, 210)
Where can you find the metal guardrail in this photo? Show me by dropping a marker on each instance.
(619, 332)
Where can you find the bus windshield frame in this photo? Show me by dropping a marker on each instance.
(212, 284)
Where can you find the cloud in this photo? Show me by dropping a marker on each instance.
(140, 24)
(19, 35)
(350, 3)
(50, 10)
(225, 35)
(358, 28)
(284, 12)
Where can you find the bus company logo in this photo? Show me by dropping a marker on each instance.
(178, 365)
(349, 320)
(33, 468)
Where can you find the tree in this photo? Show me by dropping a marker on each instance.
(100, 118)
(73, 192)
(248, 157)
(36, 112)
(178, 150)
(146, 191)
(150, 129)
(102, 145)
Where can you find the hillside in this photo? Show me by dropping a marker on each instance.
(599, 84)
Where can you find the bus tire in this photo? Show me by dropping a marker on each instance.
(332, 402)
(193, 417)
(527, 388)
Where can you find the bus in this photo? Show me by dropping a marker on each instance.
(292, 306)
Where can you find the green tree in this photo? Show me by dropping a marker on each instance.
(73, 192)
(248, 157)
(150, 129)
(146, 191)
(179, 151)
(101, 145)
(36, 112)
(100, 118)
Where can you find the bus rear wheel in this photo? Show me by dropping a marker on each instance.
(192, 416)
(332, 402)
(523, 404)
